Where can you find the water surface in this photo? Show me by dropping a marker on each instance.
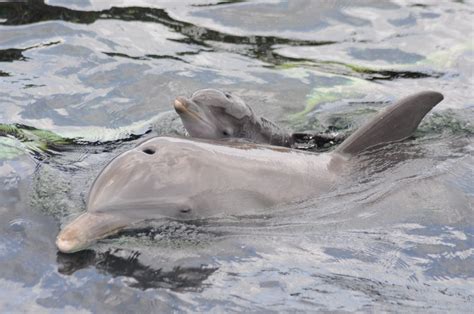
(397, 237)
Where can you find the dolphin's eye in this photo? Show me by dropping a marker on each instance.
(148, 150)
(226, 133)
(227, 95)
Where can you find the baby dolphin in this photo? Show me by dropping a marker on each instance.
(183, 178)
(213, 114)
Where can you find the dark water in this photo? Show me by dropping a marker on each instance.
(398, 237)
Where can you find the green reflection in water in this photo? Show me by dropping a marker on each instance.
(20, 138)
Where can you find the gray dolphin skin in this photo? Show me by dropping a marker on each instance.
(213, 114)
(184, 178)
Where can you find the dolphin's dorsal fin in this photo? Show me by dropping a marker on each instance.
(395, 123)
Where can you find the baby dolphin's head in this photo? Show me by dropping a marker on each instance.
(213, 114)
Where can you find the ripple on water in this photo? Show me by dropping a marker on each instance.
(396, 237)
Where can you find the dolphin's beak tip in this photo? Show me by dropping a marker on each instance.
(64, 245)
(180, 105)
(67, 244)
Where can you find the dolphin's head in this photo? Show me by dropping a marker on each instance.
(151, 181)
(213, 114)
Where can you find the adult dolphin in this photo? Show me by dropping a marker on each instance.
(184, 178)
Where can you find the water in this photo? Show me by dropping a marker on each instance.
(397, 237)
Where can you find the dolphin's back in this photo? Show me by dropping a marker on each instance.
(396, 123)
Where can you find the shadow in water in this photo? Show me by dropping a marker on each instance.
(12, 54)
(15, 54)
(142, 276)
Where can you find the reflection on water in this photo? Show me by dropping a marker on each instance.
(258, 47)
(19, 14)
(139, 275)
(83, 81)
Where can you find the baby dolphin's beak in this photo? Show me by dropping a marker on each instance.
(180, 104)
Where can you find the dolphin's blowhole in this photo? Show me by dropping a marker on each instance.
(149, 151)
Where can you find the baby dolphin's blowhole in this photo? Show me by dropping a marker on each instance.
(149, 151)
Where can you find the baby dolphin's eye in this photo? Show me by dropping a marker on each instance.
(227, 95)
(226, 133)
